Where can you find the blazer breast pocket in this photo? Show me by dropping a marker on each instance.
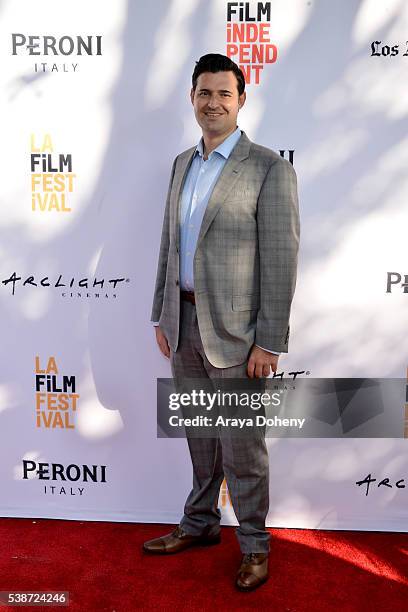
(245, 302)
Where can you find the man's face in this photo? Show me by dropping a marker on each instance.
(216, 102)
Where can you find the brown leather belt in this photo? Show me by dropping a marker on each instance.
(188, 296)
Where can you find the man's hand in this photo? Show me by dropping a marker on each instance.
(162, 342)
(260, 363)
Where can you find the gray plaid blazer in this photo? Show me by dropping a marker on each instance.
(246, 256)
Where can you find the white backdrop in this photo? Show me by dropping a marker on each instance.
(122, 116)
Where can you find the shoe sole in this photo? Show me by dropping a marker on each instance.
(252, 588)
(205, 542)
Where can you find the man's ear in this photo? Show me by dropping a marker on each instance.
(192, 95)
(241, 99)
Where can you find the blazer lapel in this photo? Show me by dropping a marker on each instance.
(225, 183)
(184, 165)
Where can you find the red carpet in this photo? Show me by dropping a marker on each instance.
(103, 568)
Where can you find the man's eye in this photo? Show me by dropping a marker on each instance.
(203, 93)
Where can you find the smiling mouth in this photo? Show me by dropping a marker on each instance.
(213, 114)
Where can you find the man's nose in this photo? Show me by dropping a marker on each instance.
(213, 102)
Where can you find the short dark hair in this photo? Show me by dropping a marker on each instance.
(215, 62)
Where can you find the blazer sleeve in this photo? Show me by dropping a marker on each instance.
(163, 255)
(278, 239)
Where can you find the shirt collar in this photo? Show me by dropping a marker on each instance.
(225, 147)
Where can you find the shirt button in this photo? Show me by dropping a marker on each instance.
(188, 253)
(191, 226)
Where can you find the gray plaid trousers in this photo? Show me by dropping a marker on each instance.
(243, 461)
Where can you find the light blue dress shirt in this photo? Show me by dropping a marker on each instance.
(198, 187)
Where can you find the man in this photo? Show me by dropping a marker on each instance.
(225, 282)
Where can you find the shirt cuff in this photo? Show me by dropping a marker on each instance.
(267, 350)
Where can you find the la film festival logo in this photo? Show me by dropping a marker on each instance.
(50, 49)
(56, 400)
(66, 474)
(249, 38)
(52, 178)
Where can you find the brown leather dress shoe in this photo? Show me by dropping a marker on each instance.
(253, 571)
(178, 540)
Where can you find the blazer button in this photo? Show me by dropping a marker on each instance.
(177, 283)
